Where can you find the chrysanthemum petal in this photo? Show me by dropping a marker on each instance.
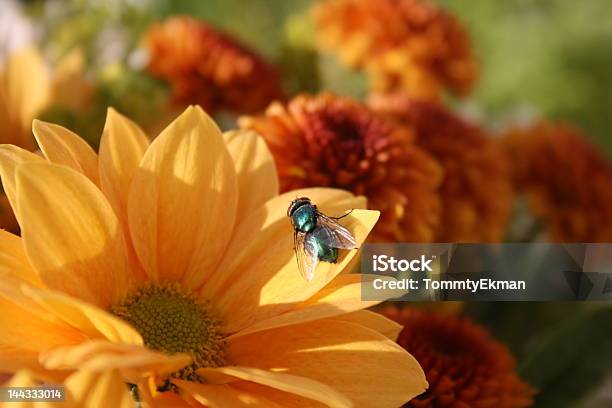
(362, 364)
(10, 158)
(187, 176)
(134, 362)
(62, 146)
(374, 321)
(301, 386)
(223, 396)
(122, 146)
(255, 169)
(71, 234)
(261, 277)
(89, 319)
(14, 264)
(339, 297)
(98, 389)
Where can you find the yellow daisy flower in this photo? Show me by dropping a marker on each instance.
(169, 266)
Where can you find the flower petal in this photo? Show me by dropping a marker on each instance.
(15, 359)
(71, 234)
(21, 316)
(98, 389)
(301, 386)
(10, 158)
(374, 321)
(14, 264)
(222, 396)
(187, 177)
(122, 146)
(62, 146)
(362, 364)
(262, 278)
(134, 362)
(89, 319)
(255, 169)
(339, 297)
(26, 329)
(162, 399)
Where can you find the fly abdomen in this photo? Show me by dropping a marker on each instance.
(326, 253)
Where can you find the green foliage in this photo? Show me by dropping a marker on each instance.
(571, 360)
(552, 55)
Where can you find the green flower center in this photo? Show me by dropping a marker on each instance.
(171, 322)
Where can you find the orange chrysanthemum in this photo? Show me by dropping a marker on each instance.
(169, 265)
(476, 191)
(403, 44)
(567, 182)
(463, 364)
(206, 66)
(327, 140)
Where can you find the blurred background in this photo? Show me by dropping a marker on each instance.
(539, 59)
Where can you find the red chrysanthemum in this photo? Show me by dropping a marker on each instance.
(476, 192)
(327, 140)
(464, 366)
(208, 67)
(403, 44)
(567, 182)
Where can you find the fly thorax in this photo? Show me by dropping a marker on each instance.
(305, 218)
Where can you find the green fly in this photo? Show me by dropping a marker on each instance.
(316, 236)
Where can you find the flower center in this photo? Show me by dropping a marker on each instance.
(171, 322)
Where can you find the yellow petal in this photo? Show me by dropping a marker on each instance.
(264, 280)
(25, 90)
(339, 297)
(222, 396)
(122, 146)
(89, 319)
(33, 331)
(301, 386)
(365, 366)
(281, 398)
(182, 202)
(374, 321)
(14, 359)
(255, 169)
(14, 264)
(10, 158)
(62, 146)
(134, 362)
(98, 389)
(162, 399)
(71, 234)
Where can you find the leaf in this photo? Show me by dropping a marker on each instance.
(571, 360)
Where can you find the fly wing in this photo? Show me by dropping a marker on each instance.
(332, 234)
(306, 254)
